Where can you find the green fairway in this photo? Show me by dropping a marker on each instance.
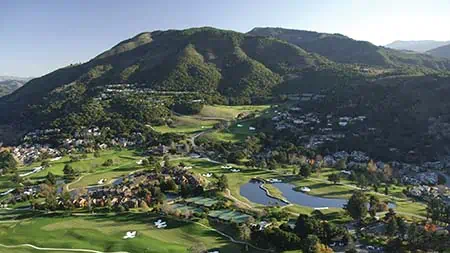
(105, 234)
(187, 125)
(25, 250)
(90, 164)
(207, 118)
(6, 183)
(110, 175)
(230, 112)
(236, 132)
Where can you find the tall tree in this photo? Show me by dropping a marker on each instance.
(50, 179)
(357, 205)
(305, 170)
(335, 178)
(244, 233)
(392, 227)
(7, 162)
(362, 181)
(413, 235)
(373, 205)
(341, 164)
(222, 183)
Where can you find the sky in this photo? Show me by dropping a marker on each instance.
(37, 37)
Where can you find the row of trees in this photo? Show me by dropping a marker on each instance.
(438, 210)
(310, 234)
(359, 205)
(7, 162)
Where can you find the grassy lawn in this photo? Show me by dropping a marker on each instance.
(6, 183)
(234, 133)
(324, 190)
(274, 191)
(105, 234)
(26, 250)
(207, 118)
(89, 165)
(230, 112)
(113, 173)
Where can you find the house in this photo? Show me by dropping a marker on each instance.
(80, 203)
(160, 150)
(261, 226)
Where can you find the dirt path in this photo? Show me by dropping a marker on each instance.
(74, 182)
(55, 249)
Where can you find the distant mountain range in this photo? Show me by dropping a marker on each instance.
(9, 84)
(25, 79)
(239, 68)
(443, 51)
(421, 46)
(342, 49)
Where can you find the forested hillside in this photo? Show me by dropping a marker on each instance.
(342, 49)
(138, 81)
(443, 51)
(220, 63)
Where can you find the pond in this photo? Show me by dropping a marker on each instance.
(253, 192)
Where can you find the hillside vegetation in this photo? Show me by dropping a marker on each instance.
(443, 51)
(204, 60)
(342, 49)
(421, 46)
(163, 70)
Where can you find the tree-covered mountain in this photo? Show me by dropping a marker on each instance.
(206, 60)
(342, 49)
(216, 66)
(443, 51)
(420, 46)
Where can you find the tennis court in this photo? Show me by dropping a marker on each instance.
(183, 208)
(201, 201)
(229, 216)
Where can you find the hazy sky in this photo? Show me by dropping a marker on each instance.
(37, 37)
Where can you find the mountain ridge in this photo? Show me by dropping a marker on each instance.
(207, 64)
(443, 51)
(342, 49)
(421, 46)
(205, 59)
